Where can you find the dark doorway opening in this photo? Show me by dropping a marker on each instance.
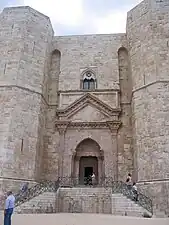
(88, 166)
(88, 171)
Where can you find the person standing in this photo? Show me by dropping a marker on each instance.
(135, 191)
(93, 179)
(9, 207)
(129, 181)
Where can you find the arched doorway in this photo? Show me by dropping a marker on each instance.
(88, 159)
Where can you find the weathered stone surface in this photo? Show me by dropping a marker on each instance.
(84, 200)
(46, 114)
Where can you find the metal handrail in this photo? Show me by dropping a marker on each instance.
(117, 187)
(142, 200)
(43, 186)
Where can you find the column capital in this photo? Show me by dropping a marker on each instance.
(61, 126)
(114, 126)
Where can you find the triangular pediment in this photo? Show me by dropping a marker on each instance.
(90, 101)
(88, 113)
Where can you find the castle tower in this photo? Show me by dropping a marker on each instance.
(25, 38)
(148, 38)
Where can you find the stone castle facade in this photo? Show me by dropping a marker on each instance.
(74, 105)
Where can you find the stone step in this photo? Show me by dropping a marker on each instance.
(127, 208)
(128, 213)
(85, 200)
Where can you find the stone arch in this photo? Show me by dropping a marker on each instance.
(53, 84)
(123, 59)
(88, 158)
(55, 60)
(123, 48)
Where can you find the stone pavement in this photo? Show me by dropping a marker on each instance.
(82, 219)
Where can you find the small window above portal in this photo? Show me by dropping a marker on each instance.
(88, 80)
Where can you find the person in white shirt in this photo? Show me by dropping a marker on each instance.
(9, 207)
(93, 179)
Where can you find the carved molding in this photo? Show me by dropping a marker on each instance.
(85, 100)
(88, 125)
(62, 126)
(112, 125)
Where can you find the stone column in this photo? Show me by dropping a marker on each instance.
(77, 162)
(61, 127)
(101, 172)
(114, 126)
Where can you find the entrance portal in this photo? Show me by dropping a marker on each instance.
(88, 166)
(87, 159)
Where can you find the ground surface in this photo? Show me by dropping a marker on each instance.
(82, 219)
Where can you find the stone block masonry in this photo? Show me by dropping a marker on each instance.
(24, 42)
(68, 101)
(84, 200)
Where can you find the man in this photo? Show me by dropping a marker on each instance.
(135, 192)
(24, 187)
(9, 207)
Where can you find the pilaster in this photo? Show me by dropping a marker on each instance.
(61, 127)
(114, 126)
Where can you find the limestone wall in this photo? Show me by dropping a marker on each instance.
(158, 192)
(149, 60)
(98, 52)
(147, 33)
(24, 41)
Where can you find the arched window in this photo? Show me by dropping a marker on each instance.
(89, 81)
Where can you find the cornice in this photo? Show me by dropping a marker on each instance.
(88, 125)
(113, 126)
(89, 91)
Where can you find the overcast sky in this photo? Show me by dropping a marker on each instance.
(81, 16)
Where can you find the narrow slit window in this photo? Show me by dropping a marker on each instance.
(22, 145)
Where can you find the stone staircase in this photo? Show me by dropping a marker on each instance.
(122, 206)
(82, 200)
(52, 197)
(43, 203)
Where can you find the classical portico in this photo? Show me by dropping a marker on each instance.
(88, 141)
